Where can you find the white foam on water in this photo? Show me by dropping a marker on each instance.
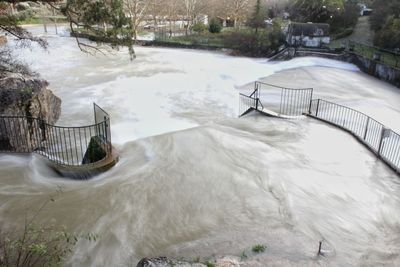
(146, 96)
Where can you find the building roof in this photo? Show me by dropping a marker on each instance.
(309, 29)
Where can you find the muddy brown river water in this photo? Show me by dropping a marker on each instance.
(196, 181)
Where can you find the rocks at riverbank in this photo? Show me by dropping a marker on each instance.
(227, 261)
(27, 97)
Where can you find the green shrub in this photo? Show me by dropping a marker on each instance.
(258, 248)
(341, 22)
(25, 15)
(36, 244)
(200, 28)
(343, 33)
(215, 26)
(255, 44)
(389, 35)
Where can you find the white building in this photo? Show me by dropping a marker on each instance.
(308, 34)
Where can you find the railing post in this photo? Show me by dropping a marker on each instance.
(381, 140)
(105, 128)
(311, 99)
(366, 129)
(94, 111)
(316, 112)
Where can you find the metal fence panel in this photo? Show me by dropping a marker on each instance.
(384, 142)
(62, 145)
(284, 101)
(246, 103)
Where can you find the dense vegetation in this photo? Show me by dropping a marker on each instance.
(385, 21)
(341, 15)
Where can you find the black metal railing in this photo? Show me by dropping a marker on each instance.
(69, 146)
(285, 101)
(384, 142)
(381, 140)
(165, 34)
(384, 56)
(246, 104)
(281, 100)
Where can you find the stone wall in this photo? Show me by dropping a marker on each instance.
(375, 68)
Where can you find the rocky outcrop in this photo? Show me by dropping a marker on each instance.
(27, 97)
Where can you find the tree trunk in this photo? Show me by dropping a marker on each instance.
(105, 27)
(135, 34)
(44, 24)
(55, 20)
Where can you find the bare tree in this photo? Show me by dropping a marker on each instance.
(172, 9)
(192, 9)
(136, 10)
(156, 10)
(238, 10)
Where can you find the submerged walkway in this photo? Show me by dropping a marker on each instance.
(289, 103)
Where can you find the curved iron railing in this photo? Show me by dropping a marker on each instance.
(384, 142)
(67, 146)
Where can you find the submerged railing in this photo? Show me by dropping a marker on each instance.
(248, 103)
(382, 141)
(281, 100)
(66, 146)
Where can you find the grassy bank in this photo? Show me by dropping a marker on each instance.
(246, 40)
(38, 20)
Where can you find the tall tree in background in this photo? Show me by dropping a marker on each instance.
(316, 10)
(346, 19)
(192, 10)
(136, 10)
(156, 10)
(237, 9)
(93, 16)
(258, 17)
(385, 21)
(171, 11)
(382, 9)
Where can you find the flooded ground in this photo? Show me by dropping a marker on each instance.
(196, 181)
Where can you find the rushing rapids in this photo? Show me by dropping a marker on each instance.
(194, 180)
